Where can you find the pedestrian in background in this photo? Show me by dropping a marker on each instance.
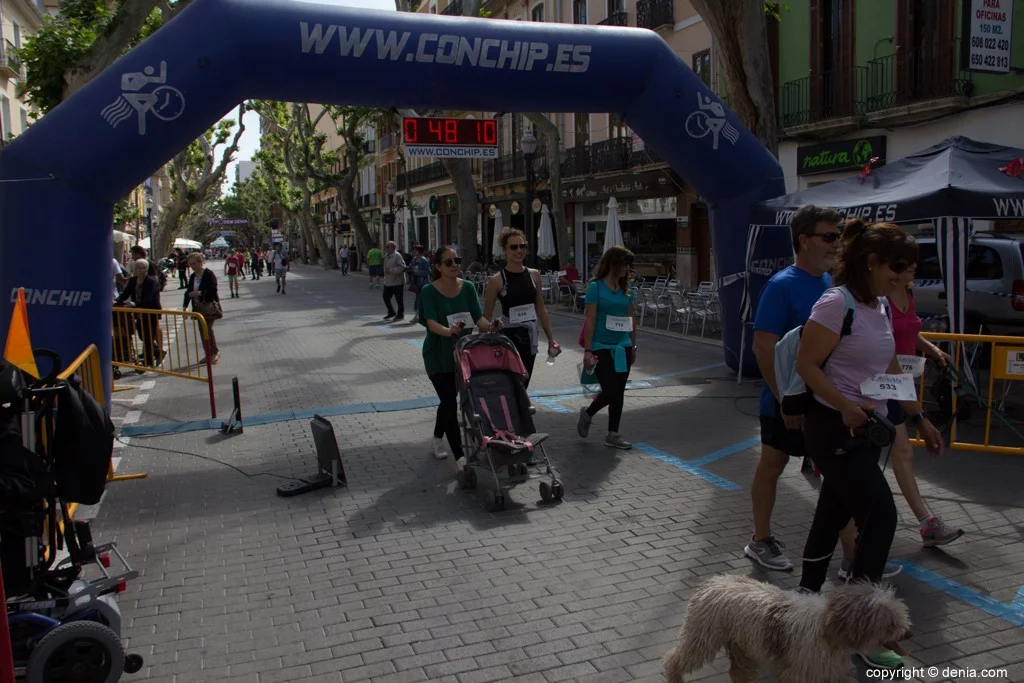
(394, 282)
(202, 295)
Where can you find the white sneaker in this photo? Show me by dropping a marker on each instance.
(438, 448)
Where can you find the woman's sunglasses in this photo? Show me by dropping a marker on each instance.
(898, 267)
(452, 262)
(517, 247)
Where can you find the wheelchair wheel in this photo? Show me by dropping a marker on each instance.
(80, 651)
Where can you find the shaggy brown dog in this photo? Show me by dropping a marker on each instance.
(807, 638)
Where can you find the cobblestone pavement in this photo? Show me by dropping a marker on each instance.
(402, 577)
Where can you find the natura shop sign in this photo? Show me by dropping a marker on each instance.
(840, 155)
(990, 25)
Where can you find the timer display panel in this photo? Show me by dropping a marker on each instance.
(450, 132)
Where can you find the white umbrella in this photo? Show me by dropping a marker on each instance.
(180, 243)
(546, 241)
(219, 243)
(144, 243)
(496, 251)
(124, 237)
(613, 231)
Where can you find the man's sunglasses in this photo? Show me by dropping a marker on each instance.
(827, 237)
(517, 247)
(452, 262)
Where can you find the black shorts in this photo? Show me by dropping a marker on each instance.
(896, 413)
(789, 441)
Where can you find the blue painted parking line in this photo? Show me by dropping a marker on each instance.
(551, 404)
(687, 466)
(1012, 612)
(667, 375)
(418, 343)
(728, 450)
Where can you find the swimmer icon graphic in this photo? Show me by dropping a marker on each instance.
(165, 102)
(710, 118)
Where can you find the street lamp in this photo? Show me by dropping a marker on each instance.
(334, 231)
(149, 221)
(529, 147)
(390, 189)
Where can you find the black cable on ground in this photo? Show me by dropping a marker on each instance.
(248, 475)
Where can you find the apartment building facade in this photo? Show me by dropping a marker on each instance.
(663, 220)
(20, 19)
(862, 79)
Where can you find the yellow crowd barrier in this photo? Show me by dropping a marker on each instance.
(164, 342)
(87, 371)
(1006, 365)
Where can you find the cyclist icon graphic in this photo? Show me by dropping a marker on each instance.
(710, 118)
(165, 102)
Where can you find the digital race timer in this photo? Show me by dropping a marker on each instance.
(450, 132)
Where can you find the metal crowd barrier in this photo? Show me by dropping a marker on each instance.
(88, 372)
(1006, 366)
(164, 342)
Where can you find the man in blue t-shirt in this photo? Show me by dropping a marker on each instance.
(785, 304)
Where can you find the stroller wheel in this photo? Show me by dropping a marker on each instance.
(557, 491)
(470, 478)
(524, 471)
(117, 373)
(545, 492)
(77, 651)
(494, 501)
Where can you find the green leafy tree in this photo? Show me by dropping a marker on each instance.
(83, 39)
(197, 173)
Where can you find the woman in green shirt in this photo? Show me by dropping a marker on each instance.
(449, 308)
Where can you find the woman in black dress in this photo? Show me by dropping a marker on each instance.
(143, 292)
(518, 288)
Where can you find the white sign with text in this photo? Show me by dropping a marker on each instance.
(991, 31)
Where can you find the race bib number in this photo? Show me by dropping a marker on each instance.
(912, 365)
(522, 314)
(561, 273)
(890, 388)
(616, 323)
(456, 318)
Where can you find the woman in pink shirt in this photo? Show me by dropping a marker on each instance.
(906, 332)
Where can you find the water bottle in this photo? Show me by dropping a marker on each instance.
(553, 352)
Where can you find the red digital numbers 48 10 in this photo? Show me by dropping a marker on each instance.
(455, 132)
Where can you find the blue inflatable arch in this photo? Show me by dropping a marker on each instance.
(59, 181)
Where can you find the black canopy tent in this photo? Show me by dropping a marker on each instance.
(948, 184)
(957, 177)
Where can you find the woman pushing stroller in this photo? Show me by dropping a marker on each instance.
(518, 288)
(449, 308)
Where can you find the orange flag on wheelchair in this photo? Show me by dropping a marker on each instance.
(18, 349)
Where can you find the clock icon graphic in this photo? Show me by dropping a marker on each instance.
(169, 104)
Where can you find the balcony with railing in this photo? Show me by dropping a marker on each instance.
(903, 86)
(615, 19)
(369, 146)
(10, 66)
(654, 14)
(430, 173)
(368, 201)
(830, 95)
(929, 72)
(454, 8)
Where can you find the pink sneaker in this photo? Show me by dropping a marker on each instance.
(934, 532)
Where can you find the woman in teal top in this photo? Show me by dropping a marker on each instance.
(449, 308)
(609, 340)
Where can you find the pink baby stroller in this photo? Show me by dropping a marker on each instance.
(497, 422)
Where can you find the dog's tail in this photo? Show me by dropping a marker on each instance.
(692, 652)
(673, 661)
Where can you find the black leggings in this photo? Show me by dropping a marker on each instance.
(520, 338)
(447, 421)
(853, 486)
(613, 386)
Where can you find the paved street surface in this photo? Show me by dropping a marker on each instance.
(403, 577)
